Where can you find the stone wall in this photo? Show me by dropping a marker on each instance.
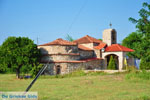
(60, 58)
(70, 67)
(86, 54)
(65, 68)
(94, 64)
(55, 49)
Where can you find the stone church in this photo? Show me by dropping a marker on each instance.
(88, 53)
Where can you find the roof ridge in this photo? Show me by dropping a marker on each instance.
(89, 38)
(59, 41)
(119, 46)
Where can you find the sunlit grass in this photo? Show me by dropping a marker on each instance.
(89, 87)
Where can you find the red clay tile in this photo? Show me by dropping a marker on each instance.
(100, 46)
(87, 39)
(59, 42)
(117, 47)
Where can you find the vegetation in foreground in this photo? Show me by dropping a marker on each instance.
(88, 86)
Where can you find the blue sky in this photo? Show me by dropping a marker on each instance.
(52, 19)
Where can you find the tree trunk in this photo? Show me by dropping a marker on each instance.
(18, 72)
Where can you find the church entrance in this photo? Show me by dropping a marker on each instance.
(115, 57)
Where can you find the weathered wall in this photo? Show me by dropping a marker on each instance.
(60, 58)
(69, 67)
(51, 69)
(55, 49)
(86, 54)
(95, 64)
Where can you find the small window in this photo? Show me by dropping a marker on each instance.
(58, 69)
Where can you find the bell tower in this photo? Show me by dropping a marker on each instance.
(110, 36)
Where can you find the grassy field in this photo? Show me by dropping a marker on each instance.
(98, 87)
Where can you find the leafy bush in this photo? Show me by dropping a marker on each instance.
(112, 64)
(145, 63)
(3, 69)
(36, 69)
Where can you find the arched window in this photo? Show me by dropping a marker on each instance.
(113, 37)
(58, 69)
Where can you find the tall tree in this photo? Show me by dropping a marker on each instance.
(143, 23)
(134, 41)
(140, 40)
(20, 54)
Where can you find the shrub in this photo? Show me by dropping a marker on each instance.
(36, 69)
(3, 69)
(112, 64)
(145, 63)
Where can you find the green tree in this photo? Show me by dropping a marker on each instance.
(134, 41)
(145, 63)
(140, 40)
(112, 64)
(143, 23)
(3, 68)
(20, 54)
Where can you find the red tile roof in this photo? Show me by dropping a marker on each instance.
(59, 42)
(74, 61)
(100, 46)
(80, 46)
(117, 47)
(87, 39)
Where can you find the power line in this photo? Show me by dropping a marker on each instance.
(77, 15)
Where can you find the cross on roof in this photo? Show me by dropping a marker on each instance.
(110, 25)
